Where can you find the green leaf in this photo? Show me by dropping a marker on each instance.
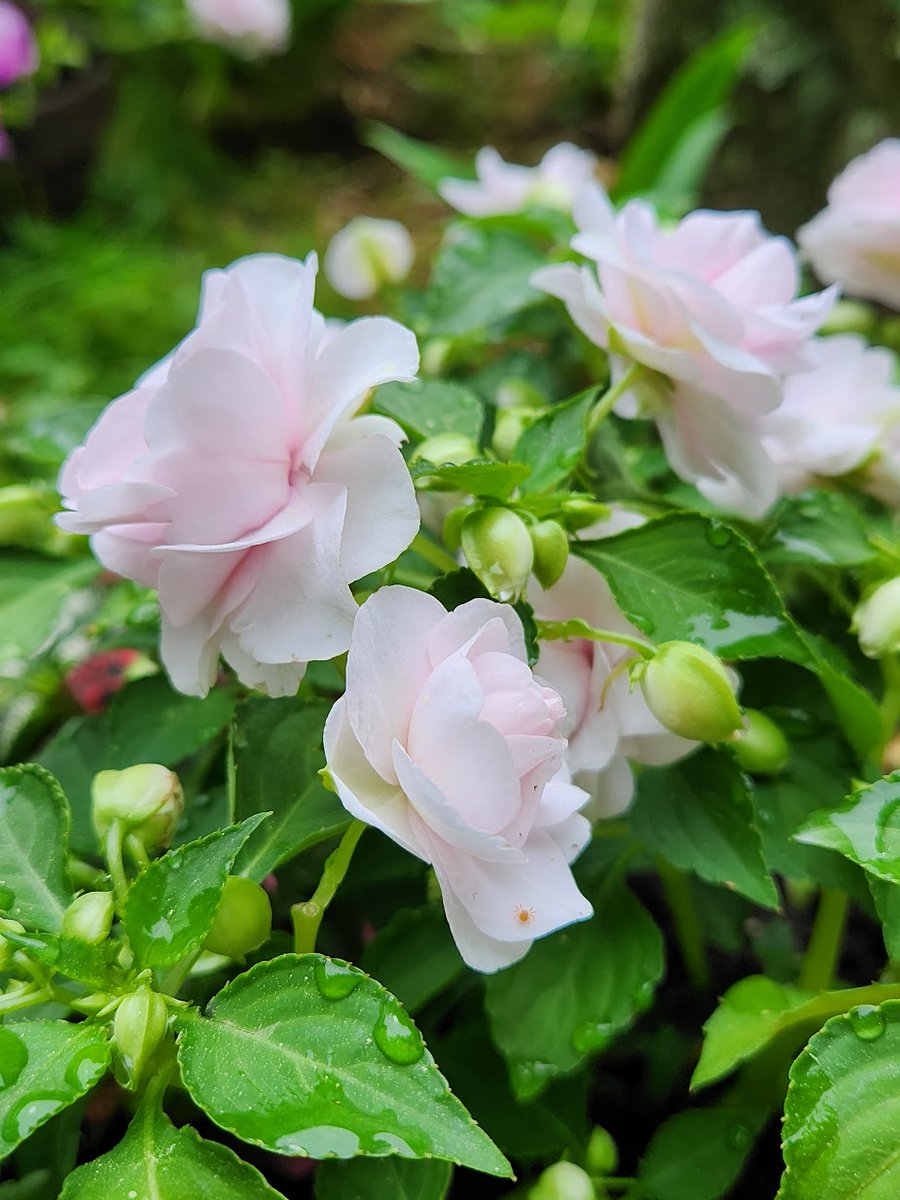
(154, 1159)
(390, 1179)
(865, 828)
(480, 278)
(305, 1055)
(414, 956)
(33, 593)
(426, 163)
(749, 1015)
(427, 407)
(476, 478)
(553, 446)
(44, 1067)
(172, 903)
(34, 832)
(697, 814)
(698, 1154)
(277, 746)
(36, 1185)
(146, 722)
(686, 577)
(887, 904)
(841, 1136)
(680, 117)
(575, 991)
(818, 527)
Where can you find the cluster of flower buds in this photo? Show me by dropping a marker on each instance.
(503, 550)
(243, 919)
(146, 800)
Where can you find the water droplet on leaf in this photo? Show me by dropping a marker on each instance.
(718, 535)
(867, 1022)
(25, 1116)
(13, 1057)
(397, 1037)
(335, 980)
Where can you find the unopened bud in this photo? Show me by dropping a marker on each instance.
(849, 316)
(551, 551)
(579, 513)
(366, 254)
(7, 948)
(26, 514)
(509, 425)
(498, 548)
(876, 621)
(146, 799)
(243, 919)
(138, 1028)
(563, 1181)
(443, 448)
(688, 690)
(602, 1156)
(89, 918)
(760, 748)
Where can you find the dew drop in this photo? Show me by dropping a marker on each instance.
(335, 980)
(13, 1057)
(86, 1067)
(718, 535)
(592, 1035)
(740, 1137)
(7, 896)
(25, 1116)
(396, 1036)
(867, 1022)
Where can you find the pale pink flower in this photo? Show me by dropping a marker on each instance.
(366, 254)
(855, 239)
(258, 26)
(710, 306)
(881, 476)
(503, 187)
(233, 480)
(18, 49)
(608, 725)
(834, 416)
(446, 742)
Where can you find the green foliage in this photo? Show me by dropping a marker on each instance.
(697, 1154)
(866, 828)
(34, 832)
(428, 407)
(398, 1178)
(554, 444)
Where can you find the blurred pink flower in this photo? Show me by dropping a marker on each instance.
(503, 187)
(447, 743)
(261, 26)
(834, 416)
(855, 240)
(710, 306)
(234, 480)
(18, 49)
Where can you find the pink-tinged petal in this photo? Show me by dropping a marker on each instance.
(114, 443)
(501, 187)
(358, 357)
(128, 551)
(713, 243)
(387, 667)
(295, 516)
(117, 504)
(495, 626)
(594, 212)
(610, 790)
(578, 290)
(190, 655)
(377, 480)
(561, 800)
(466, 758)
(515, 701)
(572, 834)
(766, 275)
(189, 584)
(442, 816)
(515, 901)
(362, 790)
(273, 679)
(531, 751)
(301, 608)
(478, 951)
(566, 667)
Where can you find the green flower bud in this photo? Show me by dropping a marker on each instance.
(25, 515)
(579, 513)
(760, 748)
(688, 690)
(498, 549)
(849, 316)
(876, 621)
(7, 948)
(451, 531)
(443, 448)
(509, 425)
(89, 918)
(602, 1156)
(563, 1181)
(516, 392)
(551, 551)
(138, 1028)
(146, 799)
(889, 332)
(243, 920)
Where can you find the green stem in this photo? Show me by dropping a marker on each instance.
(113, 848)
(679, 894)
(173, 979)
(307, 915)
(549, 631)
(607, 401)
(890, 699)
(137, 850)
(24, 999)
(433, 553)
(824, 947)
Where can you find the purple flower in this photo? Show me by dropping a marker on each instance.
(18, 49)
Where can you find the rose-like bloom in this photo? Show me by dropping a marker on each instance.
(446, 742)
(260, 26)
(503, 187)
(881, 476)
(833, 417)
(233, 481)
(710, 305)
(855, 240)
(608, 725)
(366, 254)
(18, 49)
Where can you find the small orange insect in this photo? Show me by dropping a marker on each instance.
(524, 915)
